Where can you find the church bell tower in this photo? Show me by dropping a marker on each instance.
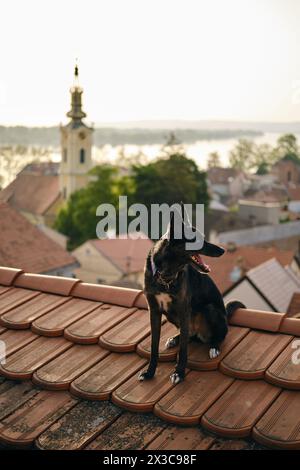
(76, 145)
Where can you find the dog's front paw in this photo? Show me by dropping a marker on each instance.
(146, 375)
(213, 353)
(176, 378)
(171, 342)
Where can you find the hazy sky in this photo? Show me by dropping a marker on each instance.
(150, 59)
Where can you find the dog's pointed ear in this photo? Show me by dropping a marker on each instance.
(209, 249)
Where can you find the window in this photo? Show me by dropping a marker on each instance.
(289, 176)
(65, 155)
(65, 193)
(82, 156)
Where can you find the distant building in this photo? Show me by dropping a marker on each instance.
(24, 246)
(35, 193)
(40, 189)
(285, 236)
(226, 182)
(287, 172)
(76, 146)
(260, 212)
(268, 287)
(117, 261)
(237, 260)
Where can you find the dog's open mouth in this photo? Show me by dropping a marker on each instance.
(198, 261)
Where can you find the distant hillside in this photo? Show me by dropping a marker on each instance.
(262, 126)
(49, 136)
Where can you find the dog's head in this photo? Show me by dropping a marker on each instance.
(170, 253)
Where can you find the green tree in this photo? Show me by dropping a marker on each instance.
(213, 160)
(170, 180)
(287, 148)
(242, 155)
(78, 219)
(263, 158)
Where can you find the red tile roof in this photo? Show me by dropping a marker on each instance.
(77, 340)
(247, 257)
(219, 175)
(32, 192)
(127, 254)
(294, 193)
(25, 246)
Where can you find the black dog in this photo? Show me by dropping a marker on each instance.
(176, 287)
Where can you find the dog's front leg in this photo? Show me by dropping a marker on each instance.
(179, 373)
(155, 320)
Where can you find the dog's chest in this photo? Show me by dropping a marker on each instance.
(164, 301)
(165, 304)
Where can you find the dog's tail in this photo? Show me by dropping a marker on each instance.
(232, 306)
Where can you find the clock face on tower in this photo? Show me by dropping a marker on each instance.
(81, 135)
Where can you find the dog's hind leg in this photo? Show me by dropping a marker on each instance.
(217, 320)
(155, 319)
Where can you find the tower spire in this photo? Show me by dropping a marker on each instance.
(76, 113)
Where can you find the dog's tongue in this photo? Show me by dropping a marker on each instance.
(203, 266)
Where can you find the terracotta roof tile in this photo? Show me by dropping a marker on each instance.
(8, 275)
(290, 326)
(217, 393)
(61, 371)
(279, 426)
(52, 284)
(54, 322)
(21, 318)
(22, 364)
(33, 251)
(188, 401)
(128, 333)
(13, 395)
(88, 329)
(252, 356)
(100, 381)
(129, 431)
(173, 438)
(106, 294)
(294, 307)
(15, 340)
(135, 395)
(238, 409)
(167, 330)
(285, 372)
(15, 297)
(3, 289)
(269, 321)
(26, 423)
(82, 424)
(198, 357)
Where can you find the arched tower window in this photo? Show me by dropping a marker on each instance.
(65, 155)
(82, 156)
